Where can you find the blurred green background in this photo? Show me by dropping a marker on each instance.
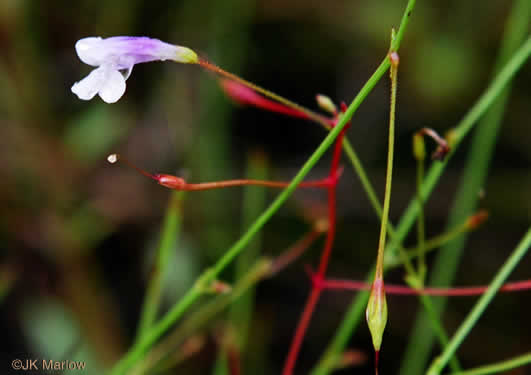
(77, 235)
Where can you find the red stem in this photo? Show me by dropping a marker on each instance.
(272, 106)
(331, 183)
(233, 357)
(302, 326)
(246, 96)
(323, 264)
(178, 183)
(317, 286)
(246, 93)
(324, 183)
(336, 284)
(294, 252)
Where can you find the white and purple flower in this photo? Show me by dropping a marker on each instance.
(115, 57)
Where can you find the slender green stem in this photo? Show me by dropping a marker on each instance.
(420, 224)
(482, 304)
(254, 202)
(473, 179)
(355, 312)
(376, 311)
(498, 367)
(471, 223)
(309, 113)
(429, 245)
(365, 182)
(393, 56)
(169, 234)
(138, 350)
(148, 339)
(402, 257)
(460, 131)
(438, 328)
(323, 121)
(433, 317)
(435, 242)
(404, 22)
(254, 273)
(240, 314)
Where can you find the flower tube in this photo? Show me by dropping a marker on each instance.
(114, 59)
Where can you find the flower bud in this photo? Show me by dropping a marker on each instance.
(326, 104)
(376, 312)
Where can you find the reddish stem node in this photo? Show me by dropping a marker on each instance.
(318, 281)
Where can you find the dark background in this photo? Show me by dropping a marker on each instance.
(77, 235)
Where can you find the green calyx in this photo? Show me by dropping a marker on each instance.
(186, 56)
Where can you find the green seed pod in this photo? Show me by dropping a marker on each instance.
(376, 313)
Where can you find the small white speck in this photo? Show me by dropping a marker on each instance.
(112, 158)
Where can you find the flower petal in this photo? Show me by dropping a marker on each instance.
(113, 87)
(90, 85)
(89, 50)
(127, 72)
(125, 51)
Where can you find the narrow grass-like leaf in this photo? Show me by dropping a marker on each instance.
(476, 168)
(479, 308)
(168, 238)
(498, 367)
(355, 311)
